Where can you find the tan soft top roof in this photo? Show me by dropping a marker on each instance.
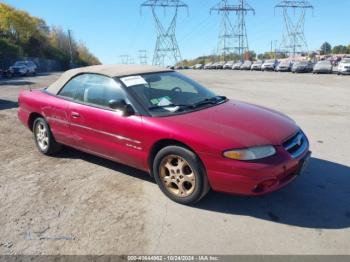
(107, 70)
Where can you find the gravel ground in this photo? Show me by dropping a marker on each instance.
(75, 203)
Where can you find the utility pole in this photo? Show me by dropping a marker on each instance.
(273, 47)
(143, 57)
(276, 49)
(294, 40)
(233, 39)
(71, 63)
(167, 49)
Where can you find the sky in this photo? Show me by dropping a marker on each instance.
(111, 28)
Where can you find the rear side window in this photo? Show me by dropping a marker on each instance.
(69, 90)
(99, 90)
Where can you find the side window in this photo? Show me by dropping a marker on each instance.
(99, 90)
(72, 86)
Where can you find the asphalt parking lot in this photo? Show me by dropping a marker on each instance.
(75, 203)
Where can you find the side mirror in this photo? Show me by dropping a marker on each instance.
(121, 105)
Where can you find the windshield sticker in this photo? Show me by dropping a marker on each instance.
(133, 81)
(162, 101)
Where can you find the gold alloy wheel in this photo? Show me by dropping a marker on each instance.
(177, 176)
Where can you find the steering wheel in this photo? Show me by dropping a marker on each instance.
(176, 89)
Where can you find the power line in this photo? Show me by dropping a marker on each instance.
(167, 48)
(294, 40)
(233, 39)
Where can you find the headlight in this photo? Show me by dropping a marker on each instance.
(252, 153)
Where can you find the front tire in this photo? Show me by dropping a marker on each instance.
(180, 175)
(44, 140)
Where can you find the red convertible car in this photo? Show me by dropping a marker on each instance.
(157, 120)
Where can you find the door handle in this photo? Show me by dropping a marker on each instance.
(75, 115)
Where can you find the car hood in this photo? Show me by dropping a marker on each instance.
(323, 66)
(233, 124)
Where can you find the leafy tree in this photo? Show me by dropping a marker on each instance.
(24, 35)
(326, 48)
(8, 49)
(340, 49)
(250, 55)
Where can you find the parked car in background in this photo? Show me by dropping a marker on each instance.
(303, 67)
(284, 66)
(23, 68)
(208, 65)
(228, 65)
(237, 65)
(344, 67)
(198, 66)
(213, 66)
(163, 123)
(269, 65)
(256, 66)
(5, 73)
(246, 65)
(220, 65)
(323, 67)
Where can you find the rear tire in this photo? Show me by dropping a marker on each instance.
(180, 175)
(43, 137)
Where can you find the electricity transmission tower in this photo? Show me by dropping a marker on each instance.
(167, 49)
(233, 39)
(294, 41)
(143, 57)
(125, 59)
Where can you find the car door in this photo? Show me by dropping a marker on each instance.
(98, 129)
(57, 111)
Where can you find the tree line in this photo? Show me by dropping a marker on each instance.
(23, 35)
(327, 49)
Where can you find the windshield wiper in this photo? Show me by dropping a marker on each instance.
(213, 100)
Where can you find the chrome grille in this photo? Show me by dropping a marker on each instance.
(296, 145)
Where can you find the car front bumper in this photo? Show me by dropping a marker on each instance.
(268, 68)
(253, 178)
(323, 71)
(344, 71)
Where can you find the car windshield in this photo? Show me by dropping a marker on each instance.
(20, 63)
(169, 93)
(324, 62)
(269, 61)
(346, 61)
